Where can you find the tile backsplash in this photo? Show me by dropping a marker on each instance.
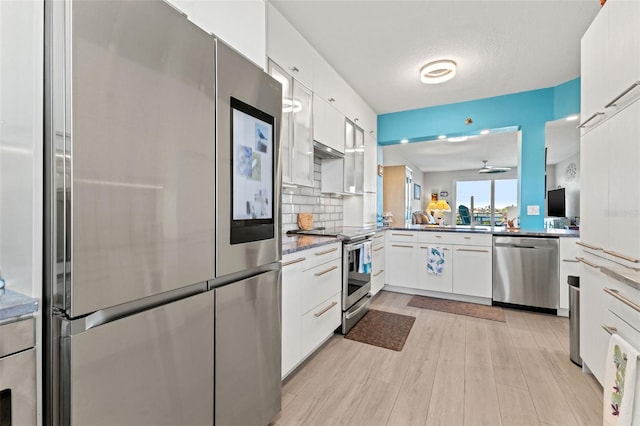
(326, 208)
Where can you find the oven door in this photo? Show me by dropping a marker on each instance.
(356, 282)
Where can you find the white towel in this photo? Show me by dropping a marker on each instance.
(365, 258)
(620, 383)
(435, 260)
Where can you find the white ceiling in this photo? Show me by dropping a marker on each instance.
(501, 47)
(499, 149)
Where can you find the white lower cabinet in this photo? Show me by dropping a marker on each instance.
(311, 301)
(473, 271)
(320, 322)
(291, 324)
(428, 281)
(377, 263)
(593, 338)
(401, 264)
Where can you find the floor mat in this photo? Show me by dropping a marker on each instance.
(384, 329)
(494, 313)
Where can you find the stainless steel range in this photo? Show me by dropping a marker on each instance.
(356, 269)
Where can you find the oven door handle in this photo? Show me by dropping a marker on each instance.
(350, 315)
(354, 246)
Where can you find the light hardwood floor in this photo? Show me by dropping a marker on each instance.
(453, 370)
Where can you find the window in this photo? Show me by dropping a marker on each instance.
(494, 201)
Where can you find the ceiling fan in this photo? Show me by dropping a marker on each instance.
(492, 169)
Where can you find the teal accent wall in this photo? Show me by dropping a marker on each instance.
(527, 111)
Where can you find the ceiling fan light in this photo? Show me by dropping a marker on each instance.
(438, 71)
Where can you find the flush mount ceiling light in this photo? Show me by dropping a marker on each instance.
(404, 141)
(438, 71)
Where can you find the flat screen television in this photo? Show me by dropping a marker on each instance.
(556, 206)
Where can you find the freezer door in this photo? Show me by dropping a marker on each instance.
(242, 80)
(152, 368)
(248, 352)
(141, 153)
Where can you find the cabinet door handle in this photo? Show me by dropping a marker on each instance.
(322, 312)
(320, 253)
(294, 69)
(621, 256)
(586, 262)
(317, 274)
(332, 100)
(378, 273)
(616, 295)
(570, 260)
(589, 246)
(584, 123)
(399, 245)
(477, 251)
(403, 235)
(623, 94)
(438, 236)
(467, 238)
(609, 329)
(426, 247)
(291, 262)
(378, 249)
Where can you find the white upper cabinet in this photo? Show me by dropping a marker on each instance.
(370, 183)
(593, 87)
(240, 24)
(610, 65)
(623, 61)
(288, 48)
(328, 124)
(296, 139)
(329, 85)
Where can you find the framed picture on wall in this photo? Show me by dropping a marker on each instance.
(417, 192)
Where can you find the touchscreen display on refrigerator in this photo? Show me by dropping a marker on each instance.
(252, 179)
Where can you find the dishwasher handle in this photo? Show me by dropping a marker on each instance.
(524, 247)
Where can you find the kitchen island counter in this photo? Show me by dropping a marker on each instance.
(14, 305)
(495, 230)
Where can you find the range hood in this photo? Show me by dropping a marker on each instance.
(323, 151)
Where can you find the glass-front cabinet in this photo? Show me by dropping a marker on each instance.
(296, 137)
(353, 158)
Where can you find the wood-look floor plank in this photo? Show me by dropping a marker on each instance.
(376, 402)
(412, 403)
(480, 394)
(446, 406)
(548, 398)
(516, 406)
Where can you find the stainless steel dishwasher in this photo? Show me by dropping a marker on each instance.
(526, 272)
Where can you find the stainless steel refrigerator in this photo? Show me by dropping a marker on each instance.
(155, 287)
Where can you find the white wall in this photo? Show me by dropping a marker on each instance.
(559, 177)
(392, 158)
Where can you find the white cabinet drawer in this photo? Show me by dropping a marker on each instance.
(623, 301)
(435, 237)
(320, 322)
(323, 254)
(320, 283)
(403, 236)
(485, 240)
(615, 324)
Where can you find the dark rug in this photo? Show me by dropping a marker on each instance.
(384, 329)
(494, 313)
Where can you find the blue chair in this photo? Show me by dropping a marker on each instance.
(465, 216)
